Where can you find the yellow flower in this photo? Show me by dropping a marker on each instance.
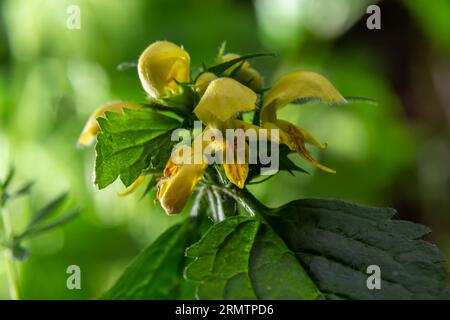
(296, 86)
(161, 66)
(91, 128)
(203, 81)
(222, 100)
(236, 172)
(178, 182)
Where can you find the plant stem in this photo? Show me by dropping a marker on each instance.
(252, 205)
(11, 267)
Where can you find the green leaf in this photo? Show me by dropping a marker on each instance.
(287, 164)
(336, 241)
(348, 100)
(34, 231)
(47, 210)
(242, 258)
(157, 272)
(220, 68)
(8, 178)
(127, 143)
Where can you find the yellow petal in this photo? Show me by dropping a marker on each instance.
(298, 85)
(309, 138)
(237, 172)
(160, 66)
(177, 185)
(203, 82)
(240, 124)
(298, 144)
(133, 187)
(223, 98)
(92, 128)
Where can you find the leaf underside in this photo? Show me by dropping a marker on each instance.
(336, 241)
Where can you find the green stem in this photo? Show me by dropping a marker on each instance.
(11, 267)
(252, 205)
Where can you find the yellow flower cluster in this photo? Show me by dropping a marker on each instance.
(163, 66)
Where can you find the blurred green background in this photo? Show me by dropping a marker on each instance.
(395, 154)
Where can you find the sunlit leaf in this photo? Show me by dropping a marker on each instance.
(127, 143)
(242, 258)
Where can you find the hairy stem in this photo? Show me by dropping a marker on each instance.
(252, 205)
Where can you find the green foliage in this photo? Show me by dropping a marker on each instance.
(242, 258)
(130, 142)
(39, 223)
(5, 192)
(220, 68)
(337, 241)
(157, 272)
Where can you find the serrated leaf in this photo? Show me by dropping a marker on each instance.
(242, 258)
(336, 241)
(127, 142)
(156, 273)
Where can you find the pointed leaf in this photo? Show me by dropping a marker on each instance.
(219, 69)
(242, 258)
(47, 210)
(156, 273)
(127, 144)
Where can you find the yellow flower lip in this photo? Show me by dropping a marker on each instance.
(236, 172)
(161, 66)
(294, 86)
(298, 85)
(223, 98)
(177, 184)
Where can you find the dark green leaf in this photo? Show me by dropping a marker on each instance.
(219, 69)
(242, 258)
(20, 253)
(349, 99)
(336, 241)
(127, 143)
(287, 164)
(156, 273)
